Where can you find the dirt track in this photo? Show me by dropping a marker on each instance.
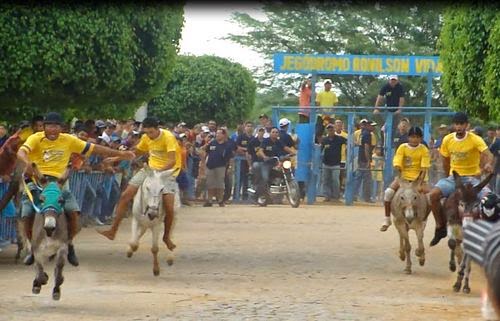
(321, 262)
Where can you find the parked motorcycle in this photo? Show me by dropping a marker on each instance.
(281, 182)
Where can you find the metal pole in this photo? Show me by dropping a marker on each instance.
(428, 117)
(389, 152)
(349, 166)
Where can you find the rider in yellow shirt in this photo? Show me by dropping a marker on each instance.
(410, 159)
(50, 151)
(164, 154)
(327, 98)
(462, 152)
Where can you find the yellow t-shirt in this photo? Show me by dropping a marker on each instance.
(464, 153)
(326, 99)
(158, 149)
(52, 157)
(357, 137)
(412, 160)
(343, 150)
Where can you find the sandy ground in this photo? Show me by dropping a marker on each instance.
(321, 262)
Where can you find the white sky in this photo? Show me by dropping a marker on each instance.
(205, 24)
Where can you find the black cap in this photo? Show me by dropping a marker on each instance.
(460, 118)
(53, 118)
(416, 131)
(263, 116)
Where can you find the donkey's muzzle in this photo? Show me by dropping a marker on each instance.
(49, 231)
(49, 225)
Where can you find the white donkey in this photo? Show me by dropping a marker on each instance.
(148, 213)
(409, 209)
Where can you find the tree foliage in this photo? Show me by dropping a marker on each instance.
(206, 87)
(470, 52)
(93, 58)
(346, 27)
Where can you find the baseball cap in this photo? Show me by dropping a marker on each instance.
(329, 125)
(393, 77)
(100, 124)
(460, 118)
(283, 122)
(263, 116)
(53, 118)
(327, 81)
(364, 120)
(443, 126)
(373, 123)
(181, 124)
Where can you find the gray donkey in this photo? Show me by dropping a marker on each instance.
(410, 209)
(148, 213)
(50, 234)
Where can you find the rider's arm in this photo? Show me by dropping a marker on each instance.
(22, 155)
(378, 101)
(288, 150)
(446, 165)
(105, 151)
(260, 153)
(487, 161)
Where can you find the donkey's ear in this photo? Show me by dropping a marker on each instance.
(419, 180)
(485, 181)
(458, 180)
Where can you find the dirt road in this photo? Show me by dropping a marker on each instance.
(321, 262)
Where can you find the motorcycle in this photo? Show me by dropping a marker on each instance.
(281, 182)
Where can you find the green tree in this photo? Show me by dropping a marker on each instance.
(346, 27)
(204, 88)
(93, 59)
(470, 52)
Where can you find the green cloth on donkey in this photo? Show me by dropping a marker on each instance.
(51, 196)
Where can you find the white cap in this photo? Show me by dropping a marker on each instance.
(284, 122)
(393, 77)
(205, 129)
(327, 81)
(364, 120)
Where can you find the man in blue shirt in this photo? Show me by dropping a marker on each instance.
(363, 174)
(331, 148)
(270, 147)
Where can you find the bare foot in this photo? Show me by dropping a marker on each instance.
(109, 234)
(170, 245)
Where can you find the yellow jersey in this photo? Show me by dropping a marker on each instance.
(52, 156)
(326, 99)
(343, 150)
(464, 153)
(158, 149)
(357, 138)
(412, 160)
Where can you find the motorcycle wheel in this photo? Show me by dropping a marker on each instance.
(293, 194)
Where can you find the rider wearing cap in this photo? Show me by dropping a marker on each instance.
(50, 150)
(164, 154)
(410, 159)
(463, 152)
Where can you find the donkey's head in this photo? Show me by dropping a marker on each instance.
(408, 199)
(468, 196)
(153, 191)
(51, 198)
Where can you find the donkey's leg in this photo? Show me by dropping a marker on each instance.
(452, 244)
(154, 249)
(420, 251)
(466, 288)
(408, 255)
(460, 276)
(41, 278)
(59, 279)
(134, 241)
(401, 233)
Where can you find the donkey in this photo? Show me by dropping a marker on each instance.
(460, 207)
(409, 209)
(50, 234)
(148, 213)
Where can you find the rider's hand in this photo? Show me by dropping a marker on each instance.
(376, 111)
(488, 168)
(29, 170)
(127, 155)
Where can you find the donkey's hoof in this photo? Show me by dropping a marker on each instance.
(402, 256)
(129, 253)
(421, 261)
(466, 290)
(456, 287)
(156, 272)
(45, 279)
(56, 294)
(408, 270)
(36, 289)
(170, 261)
(453, 267)
(419, 252)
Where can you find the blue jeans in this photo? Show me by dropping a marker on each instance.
(447, 185)
(363, 176)
(331, 181)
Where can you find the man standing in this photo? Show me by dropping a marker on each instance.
(363, 174)
(327, 97)
(163, 150)
(394, 95)
(462, 152)
(305, 100)
(50, 150)
(242, 143)
(331, 148)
